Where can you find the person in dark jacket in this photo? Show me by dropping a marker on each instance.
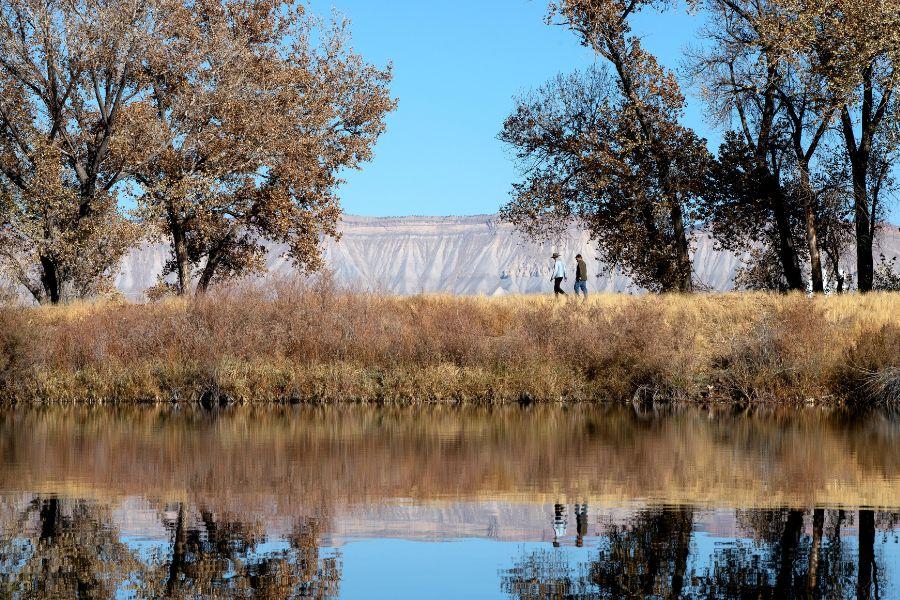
(581, 523)
(580, 276)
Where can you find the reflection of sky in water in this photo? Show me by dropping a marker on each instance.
(398, 568)
(441, 502)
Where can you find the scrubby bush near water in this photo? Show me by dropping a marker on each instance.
(316, 343)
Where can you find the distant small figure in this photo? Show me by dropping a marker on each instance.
(580, 276)
(559, 523)
(559, 274)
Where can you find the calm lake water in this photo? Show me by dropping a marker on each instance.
(448, 502)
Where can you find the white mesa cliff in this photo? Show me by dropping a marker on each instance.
(472, 255)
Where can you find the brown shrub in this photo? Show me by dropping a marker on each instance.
(314, 342)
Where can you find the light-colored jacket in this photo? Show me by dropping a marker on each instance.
(559, 269)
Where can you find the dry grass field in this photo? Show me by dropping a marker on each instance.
(293, 342)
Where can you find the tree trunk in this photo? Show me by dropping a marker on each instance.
(865, 261)
(773, 194)
(866, 528)
(812, 242)
(872, 115)
(212, 263)
(213, 259)
(790, 539)
(50, 279)
(49, 517)
(859, 168)
(685, 268)
(682, 550)
(789, 262)
(179, 249)
(812, 578)
(179, 552)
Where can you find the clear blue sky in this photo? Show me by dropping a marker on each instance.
(457, 67)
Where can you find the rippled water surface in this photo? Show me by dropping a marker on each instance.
(448, 502)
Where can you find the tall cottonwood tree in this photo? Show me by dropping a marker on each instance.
(855, 46)
(66, 77)
(795, 73)
(763, 194)
(253, 110)
(229, 121)
(809, 112)
(609, 152)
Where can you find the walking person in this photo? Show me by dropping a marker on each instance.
(559, 523)
(581, 523)
(580, 276)
(559, 274)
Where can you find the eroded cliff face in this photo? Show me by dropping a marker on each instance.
(472, 255)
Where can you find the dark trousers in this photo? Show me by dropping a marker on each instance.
(557, 286)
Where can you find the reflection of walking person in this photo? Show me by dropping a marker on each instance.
(559, 523)
(581, 523)
(559, 273)
(580, 276)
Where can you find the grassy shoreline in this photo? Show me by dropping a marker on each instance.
(315, 343)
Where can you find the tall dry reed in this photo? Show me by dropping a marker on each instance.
(313, 342)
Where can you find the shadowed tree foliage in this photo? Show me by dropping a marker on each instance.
(887, 275)
(647, 558)
(607, 151)
(747, 209)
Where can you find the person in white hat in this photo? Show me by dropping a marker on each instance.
(559, 274)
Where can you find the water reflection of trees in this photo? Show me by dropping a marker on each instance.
(219, 555)
(66, 548)
(55, 548)
(786, 554)
(298, 456)
(646, 558)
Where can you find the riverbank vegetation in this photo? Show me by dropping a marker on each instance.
(292, 342)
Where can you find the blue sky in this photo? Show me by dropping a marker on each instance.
(457, 67)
